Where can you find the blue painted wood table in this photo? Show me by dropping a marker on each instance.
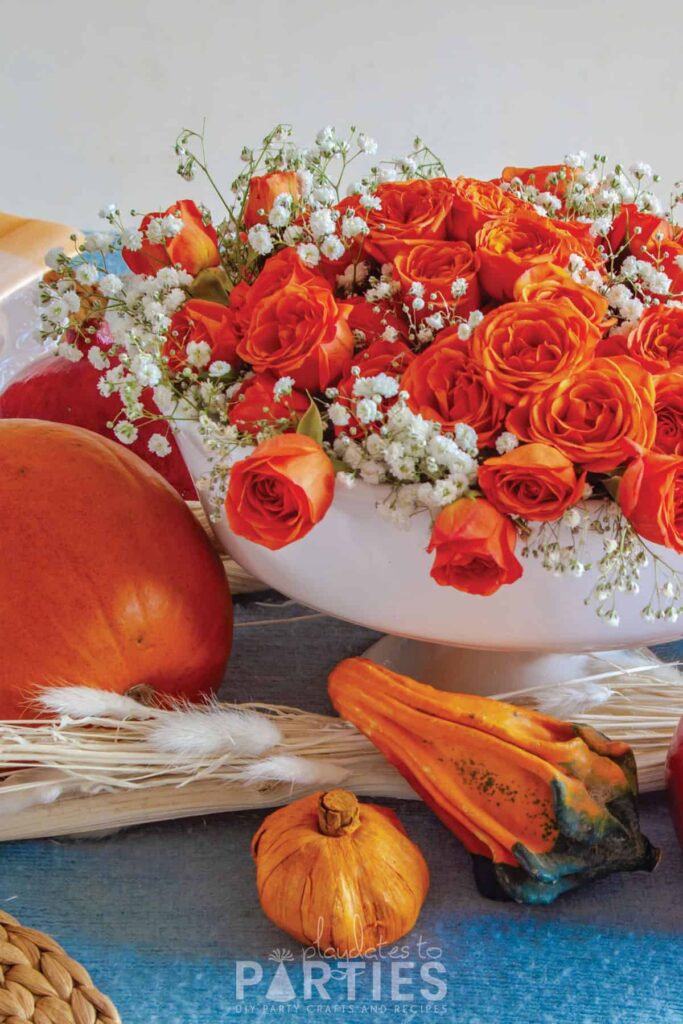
(167, 919)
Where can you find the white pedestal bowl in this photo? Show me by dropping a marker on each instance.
(357, 566)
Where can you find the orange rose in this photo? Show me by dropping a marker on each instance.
(390, 357)
(437, 265)
(534, 481)
(201, 321)
(264, 190)
(195, 247)
(300, 331)
(410, 210)
(474, 204)
(279, 492)
(523, 347)
(444, 384)
(669, 410)
(593, 416)
(538, 177)
(510, 245)
(549, 283)
(280, 270)
(474, 548)
(657, 342)
(651, 498)
(254, 402)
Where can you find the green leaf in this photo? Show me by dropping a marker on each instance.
(311, 424)
(338, 465)
(213, 284)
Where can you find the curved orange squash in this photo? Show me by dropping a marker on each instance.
(549, 803)
(106, 579)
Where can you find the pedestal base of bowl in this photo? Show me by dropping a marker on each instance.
(496, 673)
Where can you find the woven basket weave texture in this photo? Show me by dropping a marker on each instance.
(40, 983)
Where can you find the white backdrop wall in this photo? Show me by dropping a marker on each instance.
(93, 93)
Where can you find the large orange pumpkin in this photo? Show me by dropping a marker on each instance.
(106, 578)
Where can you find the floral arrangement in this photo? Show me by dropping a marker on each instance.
(504, 356)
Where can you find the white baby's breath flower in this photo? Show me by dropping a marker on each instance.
(339, 415)
(371, 202)
(281, 211)
(110, 285)
(171, 225)
(367, 410)
(98, 241)
(159, 445)
(309, 254)
(324, 194)
(352, 227)
(87, 273)
(283, 387)
(219, 368)
(367, 144)
(260, 240)
(506, 442)
(198, 354)
(67, 350)
(435, 321)
(332, 248)
(305, 182)
(126, 432)
(131, 239)
(321, 223)
(53, 257)
(97, 357)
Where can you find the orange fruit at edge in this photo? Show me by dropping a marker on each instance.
(106, 578)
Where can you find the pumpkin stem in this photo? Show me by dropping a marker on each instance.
(338, 813)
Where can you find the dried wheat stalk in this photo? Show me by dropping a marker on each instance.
(107, 762)
(40, 983)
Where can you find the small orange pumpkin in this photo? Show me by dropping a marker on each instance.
(339, 875)
(106, 578)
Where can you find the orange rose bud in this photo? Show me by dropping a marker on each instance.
(669, 410)
(535, 481)
(300, 331)
(524, 347)
(474, 548)
(264, 190)
(538, 177)
(657, 342)
(510, 245)
(436, 265)
(639, 232)
(279, 492)
(195, 247)
(548, 283)
(254, 403)
(200, 320)
(651, 498)
(593, 416)
(446, 385)
(474, 204)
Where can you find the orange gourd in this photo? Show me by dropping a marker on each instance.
(106, 578)
(550, 804)
(339, 875)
